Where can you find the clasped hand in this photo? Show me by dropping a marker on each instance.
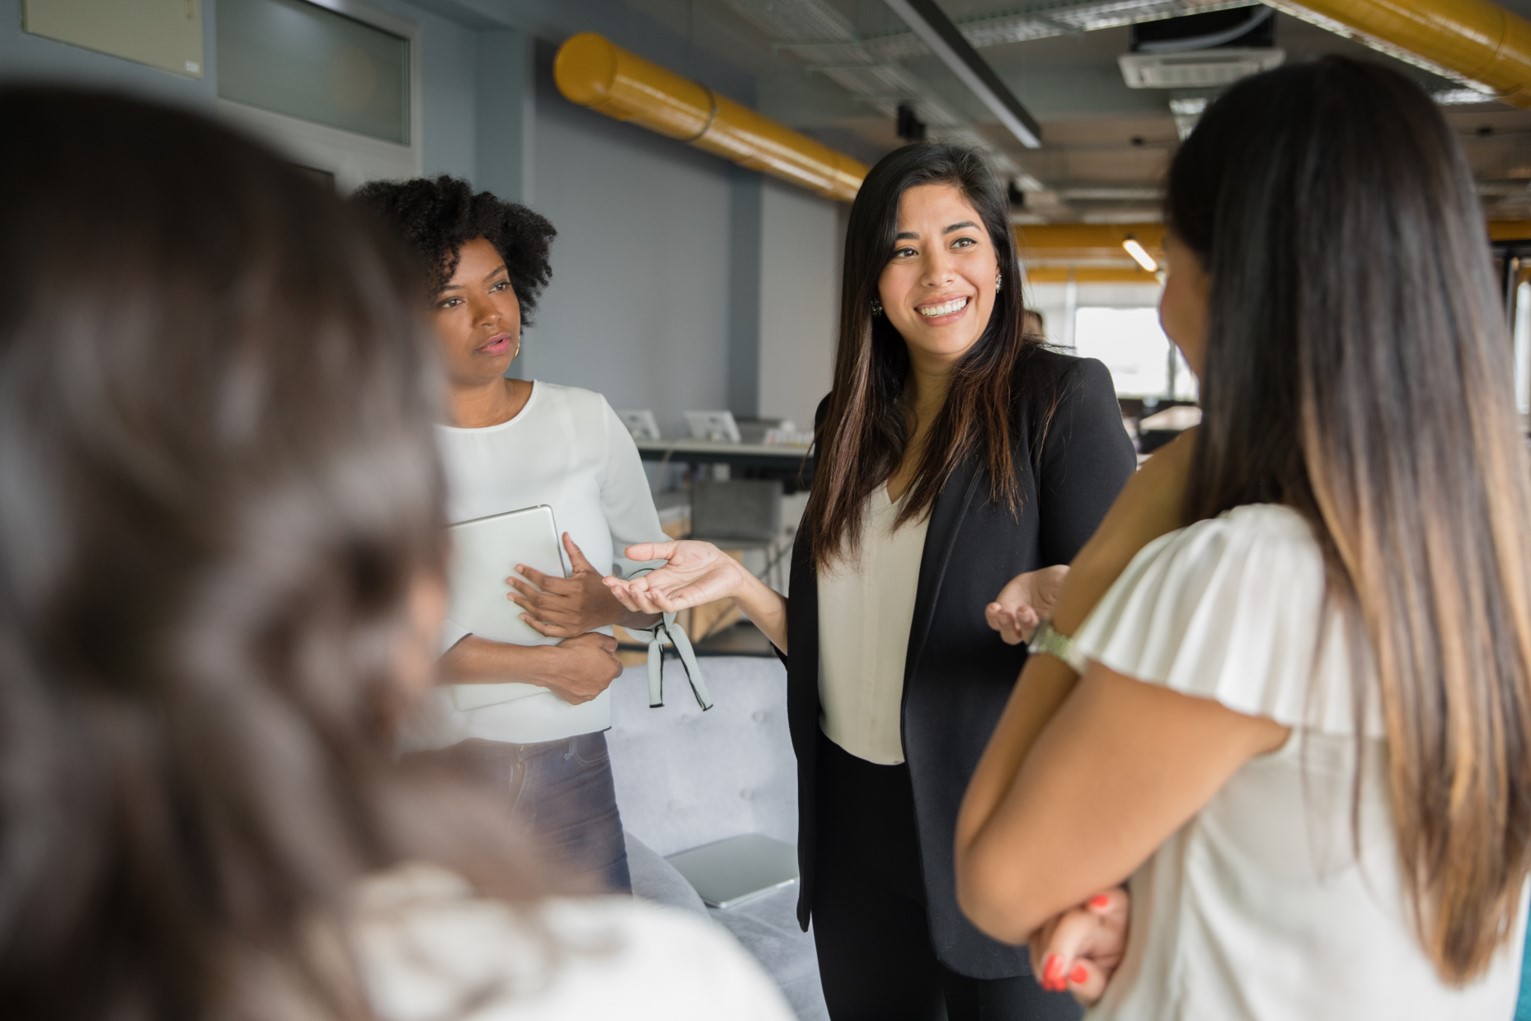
(1079, 949)
(564, 607)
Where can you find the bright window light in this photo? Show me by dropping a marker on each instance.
(1141, 359)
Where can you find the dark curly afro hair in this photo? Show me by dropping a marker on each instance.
(435, 218)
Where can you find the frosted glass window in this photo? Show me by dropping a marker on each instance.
(1142, 361)
(301, 60)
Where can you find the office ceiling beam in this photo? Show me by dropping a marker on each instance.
(945, 40)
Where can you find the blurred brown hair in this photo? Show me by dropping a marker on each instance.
(218, 490)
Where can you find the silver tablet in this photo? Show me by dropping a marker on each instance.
(485, 551)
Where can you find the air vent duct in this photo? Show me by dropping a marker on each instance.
(1201, 51)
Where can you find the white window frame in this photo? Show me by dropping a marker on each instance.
(351, 157)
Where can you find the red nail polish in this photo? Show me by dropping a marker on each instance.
(1079, 974)
(1052, 971)
(1100, 901)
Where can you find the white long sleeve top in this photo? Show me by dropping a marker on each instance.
(566, 448)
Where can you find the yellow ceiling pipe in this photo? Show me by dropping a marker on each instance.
(1478, 40)
(1070, 242)
(1051, 244)
(592, 71)
(1509, 230)
(1090, 275)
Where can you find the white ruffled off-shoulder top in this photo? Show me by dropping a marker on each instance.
(1261, 906)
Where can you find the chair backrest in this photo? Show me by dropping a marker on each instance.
(685, 777)
(737, 509)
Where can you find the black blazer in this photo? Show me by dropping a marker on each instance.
(958, 674)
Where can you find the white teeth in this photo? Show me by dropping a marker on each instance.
(944, 309)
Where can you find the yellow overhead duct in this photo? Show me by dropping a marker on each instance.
(1051, 249)
(1476, 39)
(1052, 243)
(591, 71)
(1509, 230)
(1089, 275)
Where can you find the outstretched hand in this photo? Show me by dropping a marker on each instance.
(1023, 603)
(1080, 949)
(564, 607)
(694, 573)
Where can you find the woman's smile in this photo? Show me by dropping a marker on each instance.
(937, 288)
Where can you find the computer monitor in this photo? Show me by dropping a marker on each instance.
(640, 424)
(718, 426)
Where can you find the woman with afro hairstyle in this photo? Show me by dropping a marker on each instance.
(511, 443)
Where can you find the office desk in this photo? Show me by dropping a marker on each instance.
(789, 462)
(716, 628)
(1155, 430)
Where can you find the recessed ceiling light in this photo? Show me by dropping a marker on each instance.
(1140, 254)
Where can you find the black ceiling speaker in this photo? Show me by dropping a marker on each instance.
(910, 127)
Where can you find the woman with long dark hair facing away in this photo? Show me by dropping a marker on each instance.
(953, 454)
(509, 443)
(221, 580)
(1302, 734)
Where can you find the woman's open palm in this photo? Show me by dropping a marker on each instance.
(694, 573)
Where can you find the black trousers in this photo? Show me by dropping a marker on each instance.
(876, 958)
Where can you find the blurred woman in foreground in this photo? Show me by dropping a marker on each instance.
(1302, 735)
(220, 580)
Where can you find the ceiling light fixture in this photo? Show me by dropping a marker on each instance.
(1461, 97)
(925, 20)
(1140, 254)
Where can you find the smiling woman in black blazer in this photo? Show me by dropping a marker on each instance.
(954, 453)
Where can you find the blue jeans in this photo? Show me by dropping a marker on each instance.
(562, 793)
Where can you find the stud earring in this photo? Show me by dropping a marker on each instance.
(876, 308)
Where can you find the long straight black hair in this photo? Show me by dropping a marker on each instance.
(866, 431)
(1357, 369)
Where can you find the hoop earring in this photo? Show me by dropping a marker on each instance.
(876, 308)
(517, 353)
